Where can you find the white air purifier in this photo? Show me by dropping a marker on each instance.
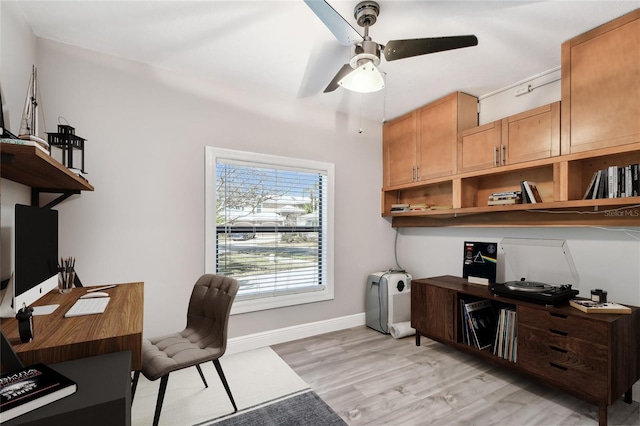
(388, 302)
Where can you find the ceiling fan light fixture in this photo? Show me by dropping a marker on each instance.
(365, 78)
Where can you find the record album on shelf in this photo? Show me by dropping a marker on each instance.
(544, 271)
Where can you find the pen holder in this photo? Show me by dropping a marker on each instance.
(65, 281)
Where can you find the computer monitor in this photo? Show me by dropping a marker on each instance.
(34, 257)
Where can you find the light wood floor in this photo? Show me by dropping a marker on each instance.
(369, 378)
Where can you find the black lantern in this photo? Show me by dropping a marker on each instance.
(67, 140)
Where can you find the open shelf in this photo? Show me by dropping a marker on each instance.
(562, 182)
(30, 166)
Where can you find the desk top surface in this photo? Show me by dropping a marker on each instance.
(122, 318)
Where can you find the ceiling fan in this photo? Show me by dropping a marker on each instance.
(361, 73)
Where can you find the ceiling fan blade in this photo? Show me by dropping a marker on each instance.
(341, 29)
(346, 69)
(324, 59)
(400, 49)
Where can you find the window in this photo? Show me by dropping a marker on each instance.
(269, 225)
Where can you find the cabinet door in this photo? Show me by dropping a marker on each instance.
(600, 86)
(399, 150)
(432, 311)
(438, 125)
(479, 148)
(532, 135)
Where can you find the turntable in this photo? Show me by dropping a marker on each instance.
(546, 270)
(535, 292)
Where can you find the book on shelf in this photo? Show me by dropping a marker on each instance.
(507, 197)
(480, 320)
(29, 388)
(399, 207)
(588, 194)
(418, 207)
(525, 195)
(24, 142)
(531, 189)
(505, 194)
(504, 202)
(612, 179)
(591, 307)
(614, 182)
(479, 262)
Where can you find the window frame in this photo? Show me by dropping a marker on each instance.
(212, 154)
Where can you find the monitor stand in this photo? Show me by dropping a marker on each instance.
(7, 310)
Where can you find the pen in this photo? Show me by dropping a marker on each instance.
(101, 288)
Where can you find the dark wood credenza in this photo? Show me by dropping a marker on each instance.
(595, 357)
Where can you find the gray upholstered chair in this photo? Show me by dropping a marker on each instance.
(204, 338)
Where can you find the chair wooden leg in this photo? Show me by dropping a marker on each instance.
(161, 391)
(202, 376)
(224, 382)
(134, 384)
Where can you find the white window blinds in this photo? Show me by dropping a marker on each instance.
(272, 225)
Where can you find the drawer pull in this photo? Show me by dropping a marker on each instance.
(554, 348)
(554, 314)
(561, 333)
(558, 366)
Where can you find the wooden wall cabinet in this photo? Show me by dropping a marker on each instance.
(530, 135)
(399, 150)
(595, 357)
(481, 147)
(598, 125)
(422, 144)
(438, 125)
(601, 86)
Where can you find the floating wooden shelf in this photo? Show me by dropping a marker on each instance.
(30, 166)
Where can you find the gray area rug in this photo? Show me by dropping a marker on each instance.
(302, 409)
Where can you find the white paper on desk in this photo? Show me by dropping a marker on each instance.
(44, 310)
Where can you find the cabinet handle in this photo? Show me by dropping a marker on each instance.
(554, 314)
(495, 156)
(413, 174)
(502, 154)
(417, 173)
(555, 348)
(561, 333)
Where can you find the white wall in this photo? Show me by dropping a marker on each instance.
(146, 130)
(17, 54)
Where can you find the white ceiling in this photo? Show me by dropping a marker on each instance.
(282, 49)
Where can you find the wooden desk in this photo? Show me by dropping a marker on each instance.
(58, 339)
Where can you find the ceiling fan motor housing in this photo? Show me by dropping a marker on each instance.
(362, 53)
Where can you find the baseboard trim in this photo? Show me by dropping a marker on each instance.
(287, 334)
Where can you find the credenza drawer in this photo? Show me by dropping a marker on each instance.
(564, 360)
(590, 331)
